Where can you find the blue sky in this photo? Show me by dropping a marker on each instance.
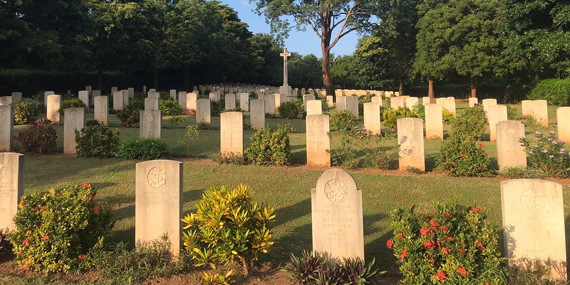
(301, 42)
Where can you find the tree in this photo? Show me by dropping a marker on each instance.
(267, 51)
(304, 71)
(345, 71)
(323, 16)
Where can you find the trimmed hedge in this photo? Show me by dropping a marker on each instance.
(555, 91)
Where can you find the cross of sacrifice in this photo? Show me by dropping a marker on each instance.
(285, 54)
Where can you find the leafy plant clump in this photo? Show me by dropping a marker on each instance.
(314, 268)
(463, 157)
(270, 148)
(471, 124)
(452, 244)
(170, 107)
(555, 91)
(39, 137)
(447, 117)
(228, 226)
(192, 133)
(97, 141)
(391, 116)
(343, 121)
(57, 229)
(130, 114)
(26, 111)
(548, 154)
(291, 109)
(71, 103)
(144, 148)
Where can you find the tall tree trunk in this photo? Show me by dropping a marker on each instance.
(431, 95)
(186, 72)
(100, 78)
(473, 86)
(401, 91)
(156, 78)
(326, 70)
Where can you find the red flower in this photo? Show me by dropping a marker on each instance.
(480, 245)
(91, 197)
(433, 223)
(400, 236)
(481, 144)
(45, 238)
(43, 208)
(410, 205)
(426, 214)
(452, 163)
(477, 209)
(23, 203)
(431, 261)
(453, 169)
(25, 266)
(445, 251)
(96, 208)
(428, 244)
(86, 185)
(404, 253)
(462, 155)
(479, 168)
(26, 242)
(441, 276)
(442, 228)
(448, 215)
(390, 243)
(424, 231)
(462, 271)
(462, 251)
(81, 256)
(448, 238)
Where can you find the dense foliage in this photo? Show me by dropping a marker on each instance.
(97, 141)
(270, 148)
(391, 116)
(461, 156)
(290, 110)
(471, 124)
(39, 137)
(555, 91)
(71, 103)
(548, 154)
(26, 111)
(170, 107)
(144, 148)
(130, 114)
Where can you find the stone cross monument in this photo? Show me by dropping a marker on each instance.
(285, 55)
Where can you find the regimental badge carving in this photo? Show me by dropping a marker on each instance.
(73, 114)
(335, 190)
(231, 119)
(156, 177)
(511, 132)
(533, 200)
(2, 170)
(149, 117)
(317, 122)
(409, 126)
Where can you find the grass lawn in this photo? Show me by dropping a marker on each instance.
(285, 188)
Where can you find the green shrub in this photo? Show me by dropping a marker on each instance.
(270, 148)
(447, 117)
(471, 124)
(39, 137)
(342, 121)
(130, 115)
(512, 113)
(391, 116)
(291, 109)
(361, 102)
(26, 111)
(71, 103)
(55, 230)
(463, 157)
(555, 91)
(419, 111)
(228, 226)
(548, 154)
(452, 244)
(314, 268)
(144, 148)
(97, 141)
(217, 107)
(170, 107)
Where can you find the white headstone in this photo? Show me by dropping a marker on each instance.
(257, 114)
(6, 128)
(231, 133)
(84, 97)
(352, 106)
(314, 107)
(372, 117)
(434, 121)
(203, 111)
(118, 102)
(11, 187)
(510, 153)
(74, 120)
(318, 141)
(53, 105)
(151, 124)
(244, 101)
(101, 110)
(411, 141)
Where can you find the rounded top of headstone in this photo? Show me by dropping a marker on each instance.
(336, 184)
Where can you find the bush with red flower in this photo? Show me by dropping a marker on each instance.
(54, 230)
(461, 156)
(452, 244)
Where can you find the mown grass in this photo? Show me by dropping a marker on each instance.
(285, 188)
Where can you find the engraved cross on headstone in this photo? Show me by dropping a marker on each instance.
(285, 54)
(231, 139)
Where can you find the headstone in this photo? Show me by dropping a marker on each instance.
(269, 104)
(47, 93)
(88, 88)
(215, 96)
(330, 101)
(307, 98)
(95, 93)
(231, 133)
(527, 108)
(277, 98)
(74, 120)
(450, 105)
(426, 100)
(53, 105)
(230, 101)
(541, 112)
(562, 115)
(510, 152)
(473, 102)
(244, 101)
(314, 107)
(173, 94)
(495, 113)
(411, 101)
(257, 113)
(397, 102)
(6, 128)
(5, 100)
(118, 102)
(153, 93)
(131, 93)
(336, 214)
(125, 97)
(158, 204)
(372, 117)
(84, 97)
(101, 110)
(318, 141)
(377, 99)
(144, 89)
(533, 223)
(151, 104)
(114, 89)
(434, 121)
(11, 187)
(411, 141)
(182, 99)
(203, 111)
(16, 97)
(341, 103)
(151, 124)
(352, 106)
(488, 103)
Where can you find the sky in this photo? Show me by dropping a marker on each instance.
(303, 43)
